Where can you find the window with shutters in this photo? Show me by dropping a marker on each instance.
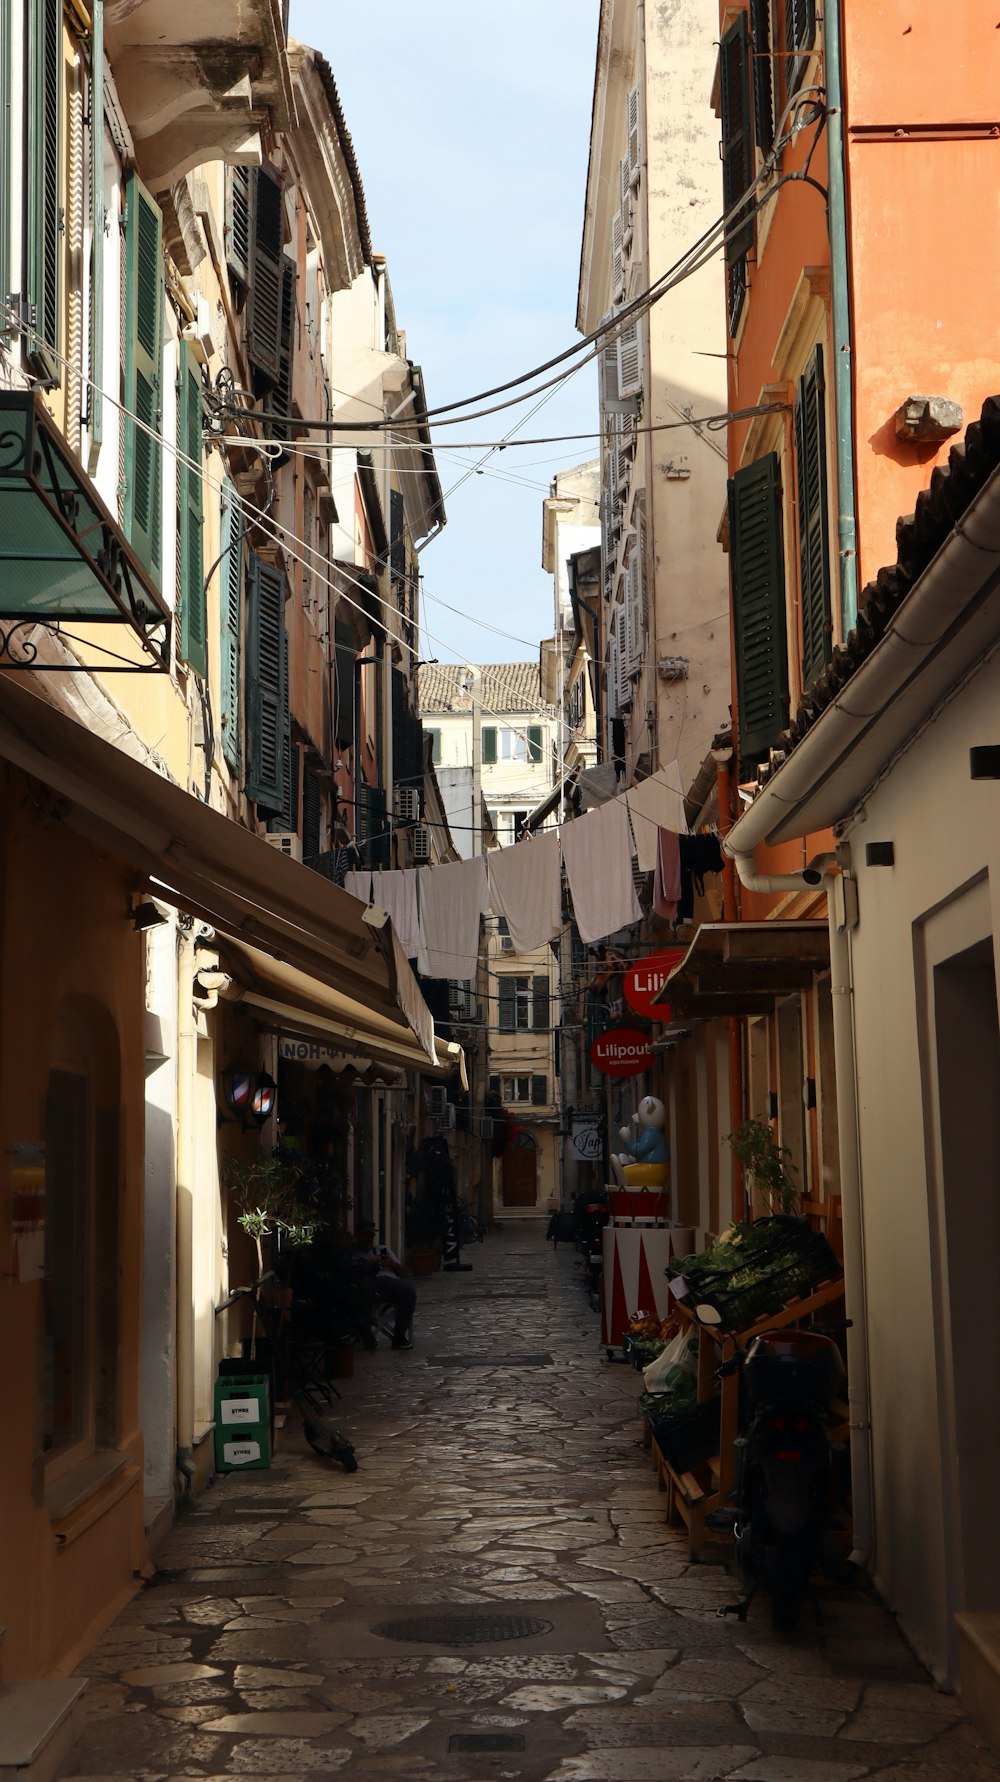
(268, 737)
(763, 75)
(800, 36)
(265, 292)
(634, 143)
(516, 1089)
(539, 1091)
(43, 213)
(241, 192)
(278, 402)
(230, 612)
(143, 346)
(534, 742)
(372, 826)
(285, 819)
(630, 359)
(814, 539)
(489, 745)
(435, 736)
(737, 160)
(312, 811)
(191, 590)
(540, 1001)
(756, 559)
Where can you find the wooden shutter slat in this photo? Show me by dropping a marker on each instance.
(758, 581)
(814, 544)
(264, 297)
(192, 591)
(267, 685)
(143, 359)
(231, 604)
(44, 238)
(239, 222)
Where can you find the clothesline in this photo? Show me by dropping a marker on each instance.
(436, 910)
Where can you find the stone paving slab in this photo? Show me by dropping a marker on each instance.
(502, 1490)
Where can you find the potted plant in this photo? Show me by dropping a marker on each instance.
(770, 1185)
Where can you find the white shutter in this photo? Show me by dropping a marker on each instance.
(625, 188)
(617, 257)
(612, 676)
(633, 136)
(608, 362)
(633, 608)
(630, 359)
(624, 690)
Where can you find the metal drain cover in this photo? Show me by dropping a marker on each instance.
(489, 1361)
(486, 1742)
(462, 1630)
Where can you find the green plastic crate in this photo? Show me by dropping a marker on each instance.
(242, 1422)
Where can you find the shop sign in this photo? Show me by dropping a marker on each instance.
(622, 1052)
(585, 1140)
(646, 979)
(306, 1052)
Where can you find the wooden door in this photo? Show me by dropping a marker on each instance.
(520, 1172)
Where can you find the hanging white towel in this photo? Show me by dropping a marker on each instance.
(656, 803)
(396, 891)
(597, 851)
(359, 884)
(525, 888)
(451, 899)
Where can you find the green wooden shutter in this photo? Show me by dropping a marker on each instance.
(539, 1091)
(814, 538)
(193, 628)
(43, 209)
(143, 380)
(737, 159)
(540, 1002)
(231, 601)
(240, 191)
(264, 297)
(95, 404)
(278, 402)
(507, 995)
(312, 812)
(489, 741)
(763, 92)
(800, 35)
(534, 742)
(267, 685)
(757, 564)
(5, 147)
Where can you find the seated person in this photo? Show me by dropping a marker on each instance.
(386, 1271)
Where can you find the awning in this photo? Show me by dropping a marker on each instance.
(741, 968)
(63, 558)
(211, 866)
(289, 1002)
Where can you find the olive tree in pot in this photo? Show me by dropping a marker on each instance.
(277, 1200)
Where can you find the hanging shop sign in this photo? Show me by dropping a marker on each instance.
(646, 979)
(622, 1052)
(586, 1139)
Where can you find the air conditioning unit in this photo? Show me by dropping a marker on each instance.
(448, 1117)
(506, 944)
(437, 1100)
(408, 804)
(421, 838)
(286, 841)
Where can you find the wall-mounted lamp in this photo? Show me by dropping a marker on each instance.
(984, 762)
(249, 1093)
(880, 854)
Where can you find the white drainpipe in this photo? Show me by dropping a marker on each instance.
(841, 901)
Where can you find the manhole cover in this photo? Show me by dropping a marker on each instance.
(489, 1361)
(486, 1742)
(462, 1630)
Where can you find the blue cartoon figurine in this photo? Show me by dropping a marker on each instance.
(643, 1163)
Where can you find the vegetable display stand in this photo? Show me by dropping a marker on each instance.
(694, 1491)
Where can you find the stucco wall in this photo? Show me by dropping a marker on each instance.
(944, 831)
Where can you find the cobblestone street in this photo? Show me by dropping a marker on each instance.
(514, 1487)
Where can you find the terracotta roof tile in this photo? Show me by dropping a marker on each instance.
(505, 687)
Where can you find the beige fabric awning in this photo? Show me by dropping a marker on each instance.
(290, 1002)
(741, 968)
(204, 862)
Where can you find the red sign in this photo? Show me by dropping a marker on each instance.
(622, 1052)
(644, 980)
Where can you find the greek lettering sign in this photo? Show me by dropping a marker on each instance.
(643, 980)
(621, 1052)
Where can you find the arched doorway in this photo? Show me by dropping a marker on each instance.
(520, 1172)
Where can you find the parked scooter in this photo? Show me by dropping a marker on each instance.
(781, 1514)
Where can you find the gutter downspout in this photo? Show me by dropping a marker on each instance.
(737, 1182)
(187, 1063)
(841, 899)
(840, 319)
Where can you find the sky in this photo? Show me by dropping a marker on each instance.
(471, 125)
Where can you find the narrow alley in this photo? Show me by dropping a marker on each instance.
(493, 1594)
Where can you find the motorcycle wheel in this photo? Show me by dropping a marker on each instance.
(785, 1581)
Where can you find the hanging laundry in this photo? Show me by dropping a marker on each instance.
(656, 803)
(526, 889)
(699, 854)
(450, 901)
(396, 891)
(359, 884)
(667, 874)
(597, 850)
